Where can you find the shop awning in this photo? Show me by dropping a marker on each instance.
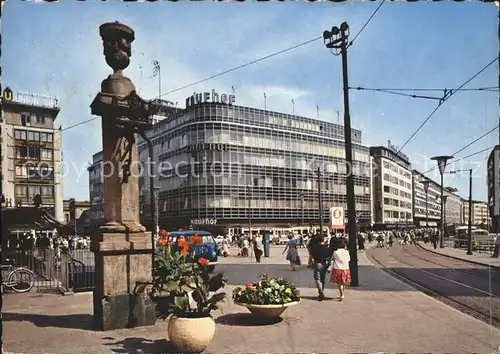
(32, 218)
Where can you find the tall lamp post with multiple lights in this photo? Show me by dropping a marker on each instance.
(442, 161)
(336, 40)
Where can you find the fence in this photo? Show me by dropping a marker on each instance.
(54, 270)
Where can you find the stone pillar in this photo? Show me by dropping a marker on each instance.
(122, 247)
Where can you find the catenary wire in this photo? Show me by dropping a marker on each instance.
(488, 88)
(366, 23)
(466, 146)
(444, 99)
(395, 92)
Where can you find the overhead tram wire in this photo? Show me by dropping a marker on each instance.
(466, 146)
(245, 65)
(395, 91)
(488, 88)
(444, 99)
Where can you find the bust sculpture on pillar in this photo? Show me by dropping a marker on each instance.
(123, 113)
(122, 247)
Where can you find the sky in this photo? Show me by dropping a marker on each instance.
(54, 49)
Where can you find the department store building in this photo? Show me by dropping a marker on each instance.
(223, 166)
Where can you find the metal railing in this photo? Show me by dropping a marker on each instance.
(63, 271)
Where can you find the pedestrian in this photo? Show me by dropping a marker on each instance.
(341, 275)
(310, 245)
(257, 248)
(361, 242)
(321, 254)
(434, 240)
(292, 254)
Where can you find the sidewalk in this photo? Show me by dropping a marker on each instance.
(458, 253)
(382, 315)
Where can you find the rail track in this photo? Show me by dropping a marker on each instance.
(435, 285)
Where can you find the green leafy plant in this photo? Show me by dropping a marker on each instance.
(267, 291)
(176, 280)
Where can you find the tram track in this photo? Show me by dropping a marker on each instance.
(479, 303)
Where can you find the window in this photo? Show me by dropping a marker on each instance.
(20, 134)
(40, 119)
(50, 137)
(21, 151)
(21, 171)
(46, 154)
(33, 190)
(34, 152)
(48, 191)
(21, 190)
(25, 119)
(33, 136)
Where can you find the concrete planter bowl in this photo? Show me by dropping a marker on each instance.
(267, 311)
(191, 335)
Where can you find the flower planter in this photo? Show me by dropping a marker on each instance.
(267, 311)
(191, 335)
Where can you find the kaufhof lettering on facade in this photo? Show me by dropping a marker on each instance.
(205, 221)
(213, 96)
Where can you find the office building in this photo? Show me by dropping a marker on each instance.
(493, 183)
(226, 166)
(479, 214)
(31, 152)
(76, 215)
(392, 188)
(452, 208)
(426, 201)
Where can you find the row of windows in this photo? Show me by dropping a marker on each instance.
(30, 191)
(35, 172)
(395, 180)
(421, 212)
(396, 169)
(252, 116)
(33, 136)
(34, 152)
(393, 156)
(397, 203)
(264, 139)
(390, 214)
(395, 191)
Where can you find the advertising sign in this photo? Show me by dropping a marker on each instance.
(337, 218)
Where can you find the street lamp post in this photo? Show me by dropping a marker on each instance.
(249, 212)
(469, 224)
(426, 189)
(320, 201)
(444, 212)
(302, 211)
(442, 161)
(336, 39)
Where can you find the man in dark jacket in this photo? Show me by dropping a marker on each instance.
(321, 254)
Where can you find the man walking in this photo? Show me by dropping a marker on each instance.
(257, 248)
(320, 254)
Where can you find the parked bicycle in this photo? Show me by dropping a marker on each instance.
(19, 279)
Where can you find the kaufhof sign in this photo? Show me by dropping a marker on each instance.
(204, 221)
(337, 218)
(213, 96)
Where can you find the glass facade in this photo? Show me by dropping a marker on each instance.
(234, 163)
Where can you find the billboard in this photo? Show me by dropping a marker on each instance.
(337, 218)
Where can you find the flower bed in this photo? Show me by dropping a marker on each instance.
(267, 291)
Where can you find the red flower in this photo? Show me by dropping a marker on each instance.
(203, 261)
(254, 299)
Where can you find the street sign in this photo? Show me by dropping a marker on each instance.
(337, 218)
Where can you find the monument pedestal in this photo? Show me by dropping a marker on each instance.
(121, 261)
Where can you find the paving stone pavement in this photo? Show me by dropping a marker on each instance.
(382, 315)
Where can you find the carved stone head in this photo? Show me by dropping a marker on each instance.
(117, 40)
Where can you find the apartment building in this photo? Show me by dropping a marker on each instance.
(31, 152)
(391, 188)
(452, 207)
(96, 191)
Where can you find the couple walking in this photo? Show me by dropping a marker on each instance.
(324, 257)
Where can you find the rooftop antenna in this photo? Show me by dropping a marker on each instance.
(338, 117)
(293, 106)
(317, 111)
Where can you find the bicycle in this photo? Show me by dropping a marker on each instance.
(16, 276)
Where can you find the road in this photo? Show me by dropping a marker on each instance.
(471, 288)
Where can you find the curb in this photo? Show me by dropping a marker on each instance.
(458, 258)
